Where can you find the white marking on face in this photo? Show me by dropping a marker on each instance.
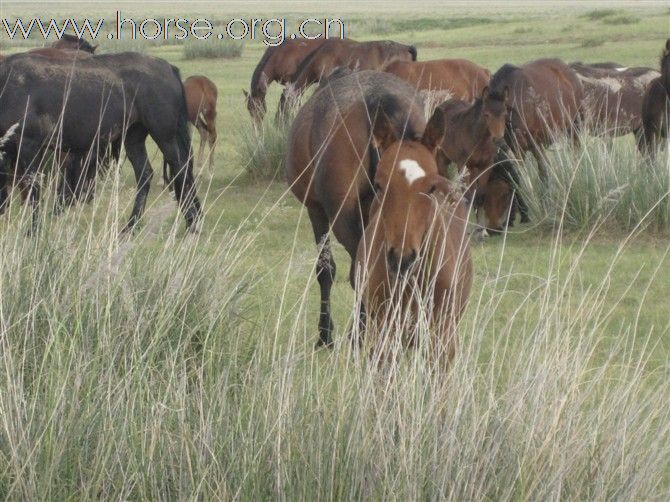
(411, 169)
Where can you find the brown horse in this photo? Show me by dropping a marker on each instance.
(357, 56)
(415, 250)
(545, 98)
(278, 64)
(201, 95)
(331, 162)
(442, 79)
(656, 107)
(613, 97)
(72, 42)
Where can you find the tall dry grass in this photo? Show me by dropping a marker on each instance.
(164, 366)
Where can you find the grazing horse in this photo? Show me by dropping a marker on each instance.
(201, 94)
(415, 250)
(278, 64)
(81, 108)
(613, 97)
(72, 42)
(656, 107)
(319, 64)
(331, 162)
(545, 98)
(475, 133)
(442, 79)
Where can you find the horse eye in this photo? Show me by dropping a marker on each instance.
(431, 189)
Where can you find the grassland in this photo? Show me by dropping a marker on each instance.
(179, 366)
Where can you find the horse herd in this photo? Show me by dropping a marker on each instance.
(368, 153)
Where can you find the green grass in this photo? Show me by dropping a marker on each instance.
(176, 366)
(213, 49)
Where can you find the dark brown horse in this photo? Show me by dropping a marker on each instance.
(545, 98)
(414, 257)
(656, 107)
(613, 97)
(331, 162)
(347, 53)
(278, 64)
(475, 133)
(201, 95)
(72, 42)
(443, 79)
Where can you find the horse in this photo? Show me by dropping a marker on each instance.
(475, 133)
(656, 107)
(442, 79)
(331, 162)
(415, 250)
(375, 55)
(82, 107)
(278, 64)
(545, 100)
(73, 42)
(613, 97)
(201, 95)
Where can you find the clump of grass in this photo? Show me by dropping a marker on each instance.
(622, 19)
(592, 42)
(262, 151)
(610, 187)
(213, 49)
(597, 14)
(436, 23)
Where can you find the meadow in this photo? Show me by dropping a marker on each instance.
(179, 366)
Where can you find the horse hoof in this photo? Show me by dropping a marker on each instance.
(327, 343)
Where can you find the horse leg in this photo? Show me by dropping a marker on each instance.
(325, 274)
(212, 144)
(348, 228)
(202, 131)
(30, 151)
(541, 164)
(182, 181)
(137, 154)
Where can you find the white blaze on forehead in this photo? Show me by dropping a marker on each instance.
(411, 169)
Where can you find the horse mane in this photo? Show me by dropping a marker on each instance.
(258, 71)
(305, 62)
(665, 70)
(502, 78)
(396, 114)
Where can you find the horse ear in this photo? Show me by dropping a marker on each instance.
(506, 94)
(485, 93)
(435, 130)
(246, 94)
(667, 46)
(383, 133)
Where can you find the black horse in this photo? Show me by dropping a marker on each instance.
(656, 107)
(80, 106)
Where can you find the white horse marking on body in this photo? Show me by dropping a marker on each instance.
(412, 170)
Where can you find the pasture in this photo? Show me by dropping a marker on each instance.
(171, 365)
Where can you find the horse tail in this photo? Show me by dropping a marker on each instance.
(170, 172)
(412, 51)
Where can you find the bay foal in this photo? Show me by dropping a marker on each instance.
(414, 258)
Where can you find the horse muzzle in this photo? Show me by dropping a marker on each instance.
(399, 265)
